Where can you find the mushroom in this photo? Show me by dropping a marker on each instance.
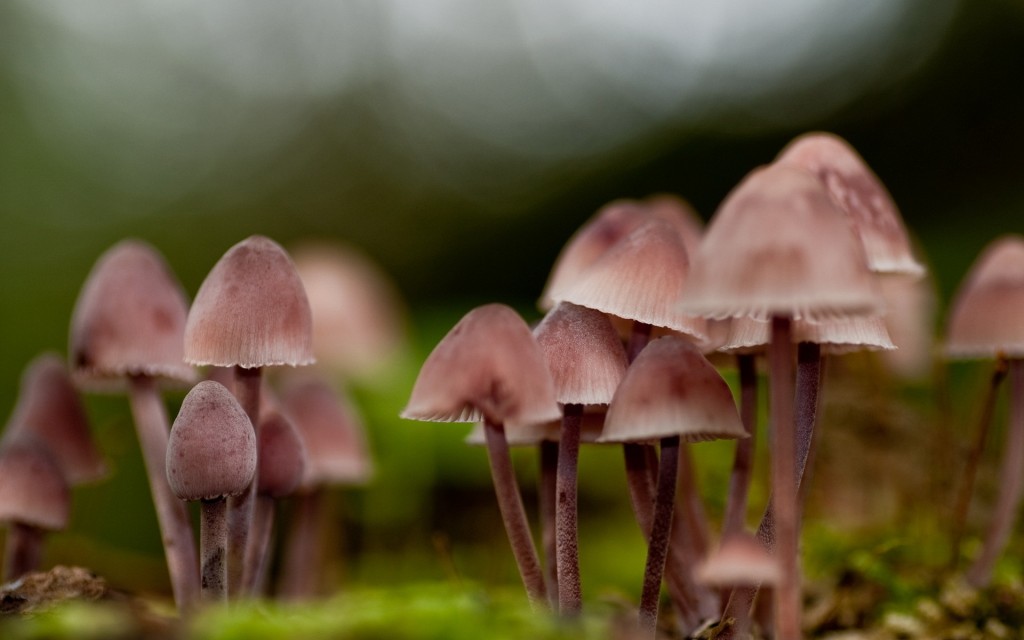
(985, 322)
(34, 498)
(126, 330)
(336, 454)
(489, 367)
(670, 393)
(587, 361)
(211, 455)
(780, 249)
(281, 459)
(250, 312)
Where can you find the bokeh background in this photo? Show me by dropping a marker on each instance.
(458, 144)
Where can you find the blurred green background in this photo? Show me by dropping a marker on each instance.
(458, 144)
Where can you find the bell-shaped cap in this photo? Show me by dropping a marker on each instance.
(837, 335)
(49, 408)
(672, 390)
(331, 430)
(583, 352)
(488, 367)
(862, 196)
(610, 224)
(211, 453)
(129, 320)
(740, 561)
(251, 311)
(281, 456)
(33, 490)
(640, 278)
(987, 311)
(358, 320)
(779, 244)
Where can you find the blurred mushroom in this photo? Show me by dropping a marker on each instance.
(250, 312)
(211, 455)
(126, 329)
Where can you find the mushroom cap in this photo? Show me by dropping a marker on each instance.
(740, 561)
(985, 320)
(49, 408)
(487, 367)
(681, 215)
(358, 321)
(640, 278)
(332, 432)
(533, 434)
(779, 244)
(281, 456)
(251, 311)
(672, 390)
(129, 320)
(610, 224)
(212, 448)
(862, 196)
(910, 303)
(33, 490)
(583, 352)
(836, 335)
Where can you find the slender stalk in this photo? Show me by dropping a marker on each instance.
(690, 537)
(743, 462)
(213, 540)
(641, 489)
(23, 550)
(657, 550)
(784, 501)
(513, 514)
(963, 496)
(302, 559)
(638, 339)
(1011, 474)
(153, 429)
(258, 551)
(567, 533)
(549, 516)
(240, 507)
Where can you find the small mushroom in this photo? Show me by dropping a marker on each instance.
(34, 498)
(211, 455)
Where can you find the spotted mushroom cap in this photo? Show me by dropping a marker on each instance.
(33, 490)
(779, 244)
(129, 320)
(487, 367)
(671, 389)
(251, 311)
(49, 408)
(985, 317)
(862, 196)
(211, 453)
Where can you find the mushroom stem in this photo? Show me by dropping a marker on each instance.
(513, 514)
(689, 542)
(657, 549)
(258, 550)
(152, 428)
(743, 462)
(641, 489)
(213, 539)
(302, 559)
(23, 551)
(638, 339)
(567, 532)
(1011, 474)
(549, 516)
(783, 473)
(240, 507)
(963, 496)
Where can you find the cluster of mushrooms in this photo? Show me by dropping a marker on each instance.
(238, 445)
(807, 258)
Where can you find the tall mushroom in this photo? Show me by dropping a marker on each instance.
(489, 367)
(126, 330)
(779, 248)
(985, 322)
(250, 312)
(211, 455)
(670, 393)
